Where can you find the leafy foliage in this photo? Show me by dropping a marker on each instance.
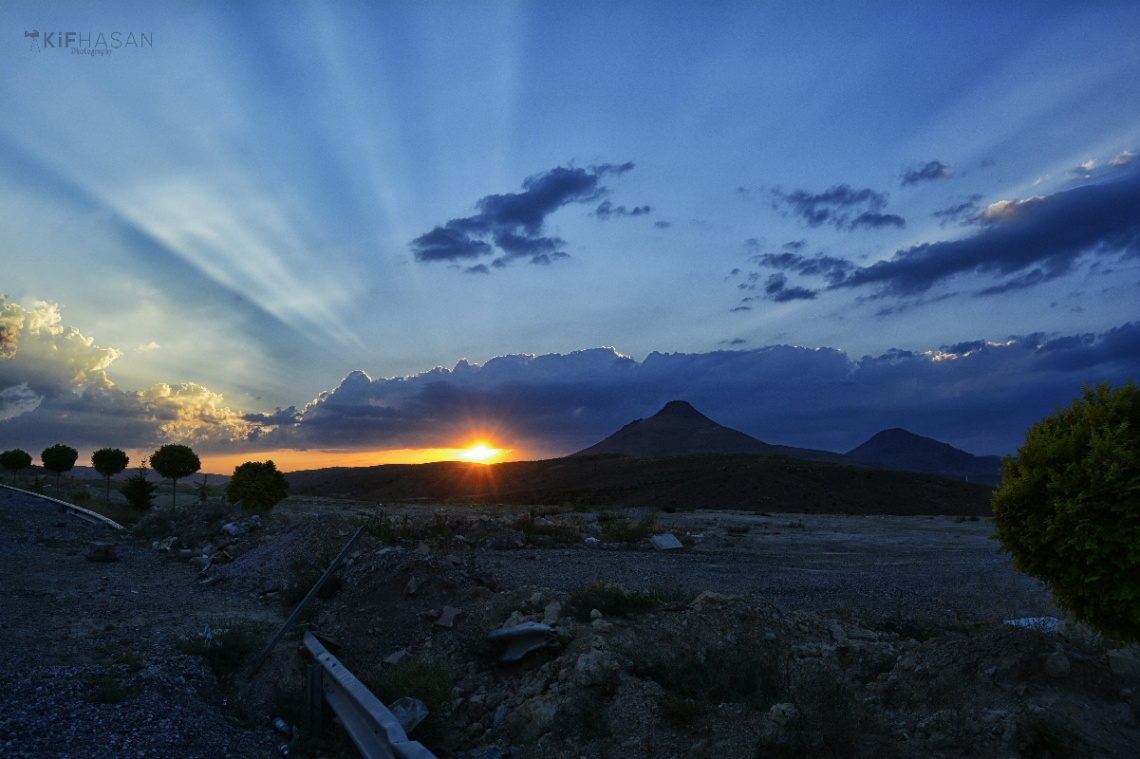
(59, 458)
(258, 485)
(174, 462)
(15, 460)
(1068, 508)
(109, 462)
(138, 490)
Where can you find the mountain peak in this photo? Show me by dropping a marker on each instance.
(677, 429)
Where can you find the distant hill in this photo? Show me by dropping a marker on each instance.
(678, 429)
(908, 452)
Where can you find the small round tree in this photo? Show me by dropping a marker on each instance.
(109, 462)
(175, 462)
(259, 486)
(59, 459)
(1068, 508)
(15, 460)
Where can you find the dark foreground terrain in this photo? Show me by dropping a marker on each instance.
(744, 482)
(777, 635)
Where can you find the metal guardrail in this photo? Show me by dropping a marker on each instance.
(374, 729)
(71, 508)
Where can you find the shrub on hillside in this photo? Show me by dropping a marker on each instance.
(1068, 508)
(258, 485)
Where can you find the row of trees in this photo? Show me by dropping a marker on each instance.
(257, 485)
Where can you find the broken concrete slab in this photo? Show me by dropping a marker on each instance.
(665, 542)
(521, 639)
(397, 657)
(447, 616)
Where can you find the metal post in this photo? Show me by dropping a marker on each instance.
(314, 700)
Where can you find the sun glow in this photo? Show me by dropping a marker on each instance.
(481, 453)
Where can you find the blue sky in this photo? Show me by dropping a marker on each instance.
(359, 228)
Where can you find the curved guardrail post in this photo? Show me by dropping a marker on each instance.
(374, 729)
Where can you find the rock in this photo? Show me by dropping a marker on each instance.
(517, 618)
(594, 668)
(536, 598)
(784, 713)
(838, 634)
(1123, 664)
(447, 616)
(1124, 714)
(665, 542)
(596, 614)
(601, 625)
(500, 715)
(521, 639)
(232, 529)
(552, 613)
(1057, 665)
(202, 562)
(452, 561)
(397, 657)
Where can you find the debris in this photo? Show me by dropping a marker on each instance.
(412, 586)
(409, 712)
(521, 639)
(665, 542)
(784, 713)
(1041, 624)
(452, 561)
(551, 613)
(164, 545)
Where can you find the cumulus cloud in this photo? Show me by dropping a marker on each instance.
(148, 347)
(841, 206)
(513, 224)
(1030, 241)
(979, 395)
(928, 172)
(54, 387)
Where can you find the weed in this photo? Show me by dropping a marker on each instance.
(380, 526)
(426, 679)
(81, 495)
(302, 577)
(544, 531)
(1044, 735)
(676, 709)
(108, 689)
(225, 643)
(623, 530)
(613, 600)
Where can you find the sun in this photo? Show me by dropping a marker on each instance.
(480, 453)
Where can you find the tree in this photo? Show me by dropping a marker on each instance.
(15, 460)
(175, 462)
(59, 459)
(138, 490)
(1068, 508)
(259, 486)
(109, 462)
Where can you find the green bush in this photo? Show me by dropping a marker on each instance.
(1068, 508)
(426, 679)
(258, 485)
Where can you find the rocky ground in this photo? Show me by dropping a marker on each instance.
(762, 636)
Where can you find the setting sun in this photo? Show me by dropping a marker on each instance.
(480, 453)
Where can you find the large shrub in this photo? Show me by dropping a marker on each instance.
(1068, 508)
(258, 485)
(174, 462)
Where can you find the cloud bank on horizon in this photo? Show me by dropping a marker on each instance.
(977, 395)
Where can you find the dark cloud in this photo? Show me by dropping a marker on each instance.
(1031, 241)
(829, 267)
(776, 288)
(978, 395)
(966, 210)
(279, 416)
(514, 222)
(662, 224)
(927, 173)
(608, 210)
(841, 207)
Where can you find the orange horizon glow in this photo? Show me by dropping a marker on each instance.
(288, 460)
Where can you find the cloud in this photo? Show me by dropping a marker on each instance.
(841, 206)
(928, 172)
(513, 223)
(1035, 239)
(1123, 159)
(662, 224)
(979, 395)
(608, 210)
(54, 387)
(148, 347)
(965, 210)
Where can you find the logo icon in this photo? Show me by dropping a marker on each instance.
(35, 35)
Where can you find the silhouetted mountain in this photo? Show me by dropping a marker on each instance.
(678, 429)
(908, 452)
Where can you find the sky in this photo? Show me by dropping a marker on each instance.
(356, 233)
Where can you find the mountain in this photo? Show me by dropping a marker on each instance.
(905, 451)
(678, 429)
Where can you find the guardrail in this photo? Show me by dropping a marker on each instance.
(71, 508)
(374, 729)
